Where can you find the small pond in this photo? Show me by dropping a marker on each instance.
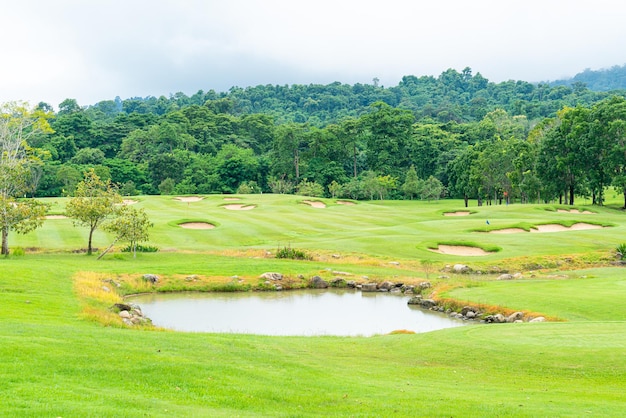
(305, 313)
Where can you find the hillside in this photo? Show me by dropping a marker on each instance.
(603, 80)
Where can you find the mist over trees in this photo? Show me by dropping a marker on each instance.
(455, 135)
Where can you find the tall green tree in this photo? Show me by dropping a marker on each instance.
(412, 185)
(18, 164)
(389, 131)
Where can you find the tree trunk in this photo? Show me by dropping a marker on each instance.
(571, 195)
(354, 160)
(89, 251)
(466, 199)
(5, 241)
(624, 198)
(107, 250)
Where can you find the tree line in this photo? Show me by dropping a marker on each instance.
(456, 135)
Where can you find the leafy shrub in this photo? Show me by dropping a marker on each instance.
(292, 254)
(141, 249)
(621, 250)
(310, 188)
(18, 252)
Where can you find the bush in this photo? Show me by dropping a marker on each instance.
(292, 254)
(621, 250)
(18, 252)
(140, 249)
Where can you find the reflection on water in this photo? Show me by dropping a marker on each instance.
(310, 312)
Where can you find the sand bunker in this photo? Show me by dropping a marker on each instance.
(460, 250)
(582, 212)
(188, 198)
(561, 228)
(56, 217)
(196, 225)
(507, 231)
(231, 199)
(239, 207)
(458, 213)
(319, 205)
(345, 202)
(129, 201)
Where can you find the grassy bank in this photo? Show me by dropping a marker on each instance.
(57, 361)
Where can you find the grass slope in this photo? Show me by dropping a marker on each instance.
(55, 362)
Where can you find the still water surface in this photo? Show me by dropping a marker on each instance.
(310, 312)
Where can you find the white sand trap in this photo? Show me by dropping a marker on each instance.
(460, 250)
(582, 226)
(188, 199)
(197, 225)
(231, 199)
(458, 213)
(561, 228)
(56, 217)
(129, 201)
(584, 212)
(345, 202)
(239, 207)
(319, 205)
(507, 231)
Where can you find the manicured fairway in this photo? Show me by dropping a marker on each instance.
(55, 361)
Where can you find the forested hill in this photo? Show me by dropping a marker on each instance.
(452, 96)
(609, 79)
(453, 135)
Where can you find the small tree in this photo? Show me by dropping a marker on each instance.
(22, 216)
(166, 187)
(412, 184)
(310, 188)
(432, 189)
(93, 202)
(131, 225)
(334, 189)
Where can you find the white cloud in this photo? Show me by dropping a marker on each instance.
(98, 49)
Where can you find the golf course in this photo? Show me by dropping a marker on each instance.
(64, 351)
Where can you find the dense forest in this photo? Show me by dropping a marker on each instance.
(608, 79)
(456, 135)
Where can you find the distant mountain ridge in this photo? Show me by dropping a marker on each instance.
(606, 79)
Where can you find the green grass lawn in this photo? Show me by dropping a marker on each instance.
(55, 362)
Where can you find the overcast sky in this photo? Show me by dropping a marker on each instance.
(93, 50)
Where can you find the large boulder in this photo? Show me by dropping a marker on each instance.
(318, 283)
(505, 276)
(386, 285)
(428, 303)
(272, 276)
(538, 319)
(517, 316)
(368, 287)
(460, 268)
(338, 282)
(415, 300)
(151, 278)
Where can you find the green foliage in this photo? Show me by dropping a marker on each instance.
(310, 188)
(167, 186)
(293, 254)
(18, 252)
(248, 187)
(93, 202)
(130, 225)
(140, 249)
(621, 250)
